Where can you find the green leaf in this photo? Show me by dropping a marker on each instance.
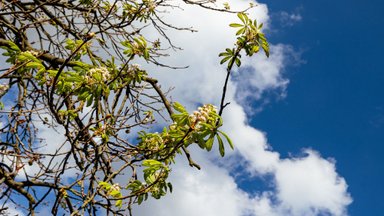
(105, 185)
(89, 100)
(149, 163)
(264, 44)
(119, 203)
(140, 199)
(227, 138)
(178, 107)
(170, 186)
(238, 62)
(240, 31)
(225, 59)
(224, 54)
(34, 65)
(235, 25)
(83, 95)
(255, 49)
(221, 145)
(13, 46)
(230, 51)
(255, 23)
(115, 193)
(265, 47)
(209, 143)
(230, 63)
(200, 142)
(242, 17)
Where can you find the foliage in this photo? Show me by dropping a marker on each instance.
(70, 69)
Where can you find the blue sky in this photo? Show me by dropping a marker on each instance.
(335, 101)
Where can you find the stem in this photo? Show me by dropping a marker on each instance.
(229, 69)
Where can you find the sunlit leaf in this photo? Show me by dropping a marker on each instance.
(119, 203)
(228, 139)
(178, 107)
(221, 145)
(235, 25)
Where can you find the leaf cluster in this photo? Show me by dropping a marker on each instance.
(250, 39)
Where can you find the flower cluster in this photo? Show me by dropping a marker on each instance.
(151, 5)
(100, 74)
(154, 141)
(34, 53)
(114, 187)
(203, 115)
(133, 68)
(3, 89)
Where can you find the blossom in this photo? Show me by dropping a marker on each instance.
(3, 89)
(100, 71)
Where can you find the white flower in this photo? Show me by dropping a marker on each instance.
(115, 187)
(104, 72)
(3, 89)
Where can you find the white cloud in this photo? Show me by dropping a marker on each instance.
(310, 185)
(213, 191)
(289, 19)
(11, 210)
(210, 191)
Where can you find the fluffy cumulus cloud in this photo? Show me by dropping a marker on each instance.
(310, 186)
(210, 191)
(301, 186)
